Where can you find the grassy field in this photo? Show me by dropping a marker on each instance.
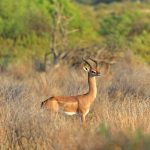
(118, 119)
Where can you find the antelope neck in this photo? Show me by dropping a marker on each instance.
(92, 86)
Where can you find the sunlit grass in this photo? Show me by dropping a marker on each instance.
(118, 119)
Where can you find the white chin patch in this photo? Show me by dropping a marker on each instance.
(70, 113)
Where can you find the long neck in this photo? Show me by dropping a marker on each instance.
(92, 87)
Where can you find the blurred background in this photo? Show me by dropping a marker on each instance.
(39, 33)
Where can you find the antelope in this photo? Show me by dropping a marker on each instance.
(79, 104)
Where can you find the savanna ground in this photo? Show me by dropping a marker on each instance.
(118, 119)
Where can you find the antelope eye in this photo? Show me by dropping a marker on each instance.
(93, 71)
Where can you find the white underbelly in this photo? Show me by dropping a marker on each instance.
(75, 113)
(71, 113)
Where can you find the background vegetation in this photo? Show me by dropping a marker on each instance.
(27, 28)
(41, 46)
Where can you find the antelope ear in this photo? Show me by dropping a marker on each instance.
(86, 68)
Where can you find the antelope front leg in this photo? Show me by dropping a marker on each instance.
(83, 120)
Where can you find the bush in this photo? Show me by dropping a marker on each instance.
(116, 28)
(140, 46)
(29, 24)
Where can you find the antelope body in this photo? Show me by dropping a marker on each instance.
(79, 104)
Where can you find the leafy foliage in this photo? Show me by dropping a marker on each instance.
(127, 30)
(116, 29)
(26, 27)
(28, 24)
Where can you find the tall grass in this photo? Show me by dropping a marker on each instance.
(118, 119)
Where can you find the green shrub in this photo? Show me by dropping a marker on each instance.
(29, 25)
(141, 46)
(116, 28)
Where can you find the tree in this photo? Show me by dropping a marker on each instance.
(67, 25)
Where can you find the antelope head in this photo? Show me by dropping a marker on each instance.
(92, 70)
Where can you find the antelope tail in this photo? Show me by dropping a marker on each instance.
(42, 104)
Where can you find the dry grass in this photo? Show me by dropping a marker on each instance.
(118, 119)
